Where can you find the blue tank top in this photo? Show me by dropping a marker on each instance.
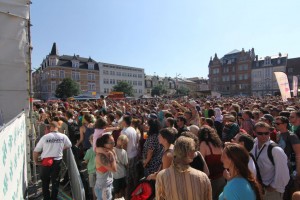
(87, 134)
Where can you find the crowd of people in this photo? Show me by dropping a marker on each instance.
(206, 148)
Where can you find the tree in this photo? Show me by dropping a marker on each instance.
(158, 90)
(183, 91)
(67, 88)
(125, 87)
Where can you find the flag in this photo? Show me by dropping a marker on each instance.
(283, 84)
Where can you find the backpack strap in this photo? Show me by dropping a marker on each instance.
(258, 175)
(270, 155)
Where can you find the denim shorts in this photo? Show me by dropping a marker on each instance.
(104, 193)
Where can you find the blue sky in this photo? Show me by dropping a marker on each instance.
(164, 37)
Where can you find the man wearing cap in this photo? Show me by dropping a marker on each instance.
(51, 147)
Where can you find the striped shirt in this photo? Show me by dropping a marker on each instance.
(191, 184)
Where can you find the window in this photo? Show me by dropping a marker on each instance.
(53, 73)
(112, 81)
(91, 77)
(140, 75)
(61, 74)
(233, 77)
(106, 90)
(267, 61)
(140, 83)
(245, 76)
(75, 63)
(134, 82)
(124, 74)
(130, 82)
(105, 72)
(76, 76)
(91, 66)
(53, 86)
(241, 77)
(233, 69)
(134, 75)
(140, 91)
(215, 71)
(91, 86)
(134, 90)
(112, 73)
(225, 70)
(129, 74)
(52, 61)
(119, 74)
(105, 81)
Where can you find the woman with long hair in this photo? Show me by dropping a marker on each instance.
(242, 183)
(152, 150)
(211, 148)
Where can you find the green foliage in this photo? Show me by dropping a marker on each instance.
(125, 87)
(158, 90)
(67, 88)
(183, 91)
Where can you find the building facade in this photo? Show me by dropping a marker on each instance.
(167, 82)
(263, 78)
(111, 74)
(55, 67)
(231, 74)
(293, 69)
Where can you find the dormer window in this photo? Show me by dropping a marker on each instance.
(52, 61)
(91, 65)
(75, 63)
(267, 61)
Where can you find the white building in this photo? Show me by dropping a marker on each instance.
(262, 74)
(111, 74)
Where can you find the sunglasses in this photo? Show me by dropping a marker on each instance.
(112, 143)
(262, 133)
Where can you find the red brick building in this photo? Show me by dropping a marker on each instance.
(231, 74)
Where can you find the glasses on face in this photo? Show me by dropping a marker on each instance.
(278, 123)
(112, 143)
(262, 133)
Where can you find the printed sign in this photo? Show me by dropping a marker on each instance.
(13, 159)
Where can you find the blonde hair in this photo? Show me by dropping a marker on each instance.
(183, 146)
(124, 139)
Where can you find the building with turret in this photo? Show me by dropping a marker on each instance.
(56, 67)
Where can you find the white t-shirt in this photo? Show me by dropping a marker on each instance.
(122, 162)
(252, 167)
(132, 146)
(52, 145)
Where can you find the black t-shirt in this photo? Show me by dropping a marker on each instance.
(198, 163)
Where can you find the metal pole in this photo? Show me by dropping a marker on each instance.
(31, 134)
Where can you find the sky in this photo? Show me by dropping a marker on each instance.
(165, 37)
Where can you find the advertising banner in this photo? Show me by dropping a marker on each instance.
(13, 178)
(295, 86)
(283, 84)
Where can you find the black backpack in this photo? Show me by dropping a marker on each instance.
(74, 133)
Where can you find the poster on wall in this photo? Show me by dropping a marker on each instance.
(12, 159)
(295, 86)
(283, 84)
